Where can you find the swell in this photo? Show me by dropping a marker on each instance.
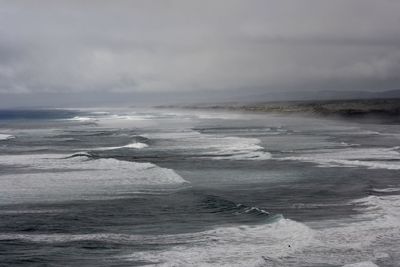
(216, 204)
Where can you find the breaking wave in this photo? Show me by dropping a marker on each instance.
(52, 176)
(233, 246)
(362, 264)
(239, 245)
(373, 158)
(6, 137)
(214, 146)
(386, 190)
(135, 145)
(81, 119)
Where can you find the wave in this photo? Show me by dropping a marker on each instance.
(285, 242)
(372, 158)
(233, 246)
(213, 146)
(238, 148)
(81, 119)
(239, 245)
(347, 163)
(31, 211)
(129, 117)
(254, 155)
(6, 137)
(386, 190)
(348, 145)
(53, 177)
(100, 112)
(136, 145)
(363, 236)
(278, 242)
(362, 264)
(368, 238)
(220, 205)
(383, 207)
(220, 116)
(243, 131)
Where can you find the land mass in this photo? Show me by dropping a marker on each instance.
(388, 109)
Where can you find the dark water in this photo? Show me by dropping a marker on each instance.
(185, 188)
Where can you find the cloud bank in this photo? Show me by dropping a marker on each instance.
(168, 46)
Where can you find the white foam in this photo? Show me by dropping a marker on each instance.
(81, 119)
(371, 235)
(125, 120)
(100, 112)
(373, 158)
(214, 146)
(362, 264)
(368, 132)
(237, 148)
(365, 240)
(53, 177)
(347, 163)
(360, 241)
(386, 190)
(182, 135)
(131, 117)
(223, 246)
(383, 207)
(233, 246)
(136, 145)
(221, 116)
(6, 137)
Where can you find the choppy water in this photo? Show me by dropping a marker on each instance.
(195, 188)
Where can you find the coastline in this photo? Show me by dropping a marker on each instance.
(387, 110)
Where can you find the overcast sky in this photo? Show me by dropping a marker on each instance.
(105, 48)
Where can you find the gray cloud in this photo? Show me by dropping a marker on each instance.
(190, 46)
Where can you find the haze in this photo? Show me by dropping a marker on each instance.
(63, 53)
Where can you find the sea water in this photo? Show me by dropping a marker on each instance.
(126, 187)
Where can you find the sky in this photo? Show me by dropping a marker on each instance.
(97, 52)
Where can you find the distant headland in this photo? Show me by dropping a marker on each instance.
(388, 109)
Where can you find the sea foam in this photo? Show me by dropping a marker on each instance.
(135, 145)
(233, 245)
(366, 238)
(239, 245)
(372, 158)
(52, 177)
(386, 190)
(213, 146)
(362, 264)
(6, 137)
(81, 119)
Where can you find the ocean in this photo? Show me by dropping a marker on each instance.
(169, 187)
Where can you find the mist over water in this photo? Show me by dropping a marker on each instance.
(194, 188)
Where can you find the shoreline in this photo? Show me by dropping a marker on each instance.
(387, 110)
